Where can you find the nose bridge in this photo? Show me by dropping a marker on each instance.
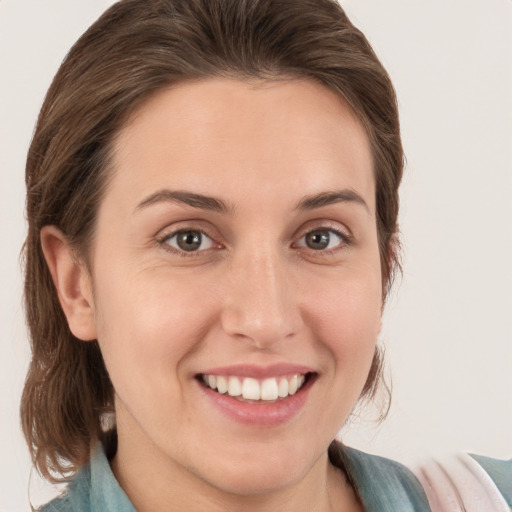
(260, 303)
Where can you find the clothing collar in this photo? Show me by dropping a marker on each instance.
(106, 493)
(383, 485)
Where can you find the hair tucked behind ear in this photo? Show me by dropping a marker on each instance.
(135, 49)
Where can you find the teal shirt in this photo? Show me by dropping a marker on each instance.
(501, 473)
(93, 489)
(383, 485)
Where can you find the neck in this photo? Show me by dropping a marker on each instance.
(153, 482)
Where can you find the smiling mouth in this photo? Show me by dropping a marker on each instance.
(267, 390)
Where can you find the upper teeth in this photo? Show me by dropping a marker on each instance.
(253, 389)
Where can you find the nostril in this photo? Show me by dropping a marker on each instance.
(262, 329)
(260, 305)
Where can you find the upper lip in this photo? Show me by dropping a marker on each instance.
(258, 372)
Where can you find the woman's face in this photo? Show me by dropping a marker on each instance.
(236, 245)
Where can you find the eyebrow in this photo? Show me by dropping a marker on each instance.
(189, 198)
(333, 197)
(214, 204)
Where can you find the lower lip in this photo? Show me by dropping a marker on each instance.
(268, 414)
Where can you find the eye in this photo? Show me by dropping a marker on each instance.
(321, 239)
(189, 240)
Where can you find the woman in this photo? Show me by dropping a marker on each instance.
(212, 195)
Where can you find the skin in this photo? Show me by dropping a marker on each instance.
(254, 293)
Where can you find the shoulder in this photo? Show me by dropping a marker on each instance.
(467, 482)
(384, 485)
(94, 488)
(500, 471)
(76, 497)
(457, 483)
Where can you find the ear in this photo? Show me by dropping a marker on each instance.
(72, 282)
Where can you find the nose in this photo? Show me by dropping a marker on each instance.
(261, 305)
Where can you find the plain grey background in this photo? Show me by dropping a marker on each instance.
(448, 326)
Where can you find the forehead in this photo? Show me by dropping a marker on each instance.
(205, 134)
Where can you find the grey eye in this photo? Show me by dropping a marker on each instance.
(320, 239)
(190, 240)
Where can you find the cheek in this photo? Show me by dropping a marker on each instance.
(345, 317)
(346, 314)
(148, 323)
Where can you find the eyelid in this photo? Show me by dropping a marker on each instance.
(338, 229)
(330, 225)
(341, 236)
(167, 233)
(169, 237)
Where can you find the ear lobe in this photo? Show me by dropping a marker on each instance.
(72, 282)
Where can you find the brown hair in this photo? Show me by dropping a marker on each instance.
(134, 49)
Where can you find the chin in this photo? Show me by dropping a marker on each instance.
(257, 479)
(259, 471)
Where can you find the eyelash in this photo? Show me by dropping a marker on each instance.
(346, 240)
(164, 242)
